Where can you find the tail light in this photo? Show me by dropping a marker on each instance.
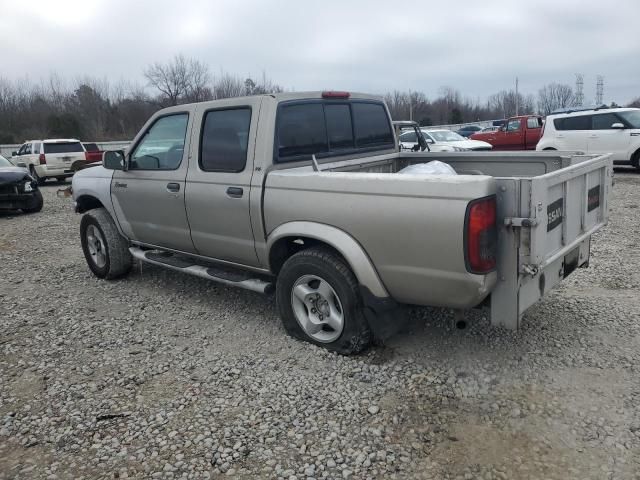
(42, 159)
(481, 234)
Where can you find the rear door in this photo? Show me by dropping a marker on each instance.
(62, 153)
(572, 133)
(218, 192)
(533, 132)
(149, 196)
(604, 139)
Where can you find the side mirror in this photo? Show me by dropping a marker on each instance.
(113, 160)
(618, 126)
(14, 154)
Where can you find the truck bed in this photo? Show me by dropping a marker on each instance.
(548, 206)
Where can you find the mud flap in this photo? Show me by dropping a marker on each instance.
(384, 315)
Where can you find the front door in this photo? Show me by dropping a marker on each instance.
(512, 138)
(604, 139)
(149, 196)
(218, 195)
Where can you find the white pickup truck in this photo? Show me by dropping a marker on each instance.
(300, 193)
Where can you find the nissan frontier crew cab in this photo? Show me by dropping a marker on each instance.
(300, 193)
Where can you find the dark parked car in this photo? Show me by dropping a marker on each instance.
(468, 130)
(18, 189)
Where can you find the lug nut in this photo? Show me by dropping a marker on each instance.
(313, 310)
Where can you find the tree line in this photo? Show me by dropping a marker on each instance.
(97, 109)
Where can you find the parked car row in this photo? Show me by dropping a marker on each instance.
(55, 158)
(588, 130)
(443, 140)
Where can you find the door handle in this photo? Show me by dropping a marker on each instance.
(173, 187)
(235, 192)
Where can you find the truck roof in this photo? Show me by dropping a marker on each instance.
(286, 96)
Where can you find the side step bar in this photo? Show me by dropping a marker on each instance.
(226, 275)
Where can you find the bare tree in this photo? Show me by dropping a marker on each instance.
(228, 86)
(180, 79)
(635, 103)
(554, 96)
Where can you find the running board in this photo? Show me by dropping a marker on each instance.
(228, 276)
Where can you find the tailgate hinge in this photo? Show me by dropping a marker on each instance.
(520, 222)
(529, 269)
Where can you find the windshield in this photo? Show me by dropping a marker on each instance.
(632, 117)
(4, 162)
(446, 136)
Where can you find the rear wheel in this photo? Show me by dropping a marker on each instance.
(635, 159)
(318, 301)
(37, 177)
(106, 251)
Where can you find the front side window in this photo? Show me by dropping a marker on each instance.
(513, 125)
(225, 137)
(301, 130)
(632, 117)
(372, 125)
(23, 149)
(162, 146)
(604, 121)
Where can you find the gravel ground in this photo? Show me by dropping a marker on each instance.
(162, 375)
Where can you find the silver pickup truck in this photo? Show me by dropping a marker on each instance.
(300, 193)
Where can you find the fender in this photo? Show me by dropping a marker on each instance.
(344, 243)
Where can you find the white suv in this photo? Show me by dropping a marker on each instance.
(601, 130)
(50, 158)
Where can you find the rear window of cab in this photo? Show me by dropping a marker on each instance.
(329, 128)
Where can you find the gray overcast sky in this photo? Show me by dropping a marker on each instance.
(478, 47)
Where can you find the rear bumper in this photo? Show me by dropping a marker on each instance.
(53, 171)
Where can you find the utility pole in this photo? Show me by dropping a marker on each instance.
(410, 106)
(599, 90)
(517, 97)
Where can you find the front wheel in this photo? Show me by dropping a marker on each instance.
(318, 301)
(37, 204)
(106, 251)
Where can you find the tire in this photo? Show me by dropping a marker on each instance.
(317, 277)
(635, 160)
(105, 250)
(549, 148)
(37, 205)
(36, 177)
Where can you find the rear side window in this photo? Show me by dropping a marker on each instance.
(582, 122)
(339, 127)
(604, 121)
(225, 136)
(63, 147)
(301, 130)
(91, 147)
(534, 122)
(36, 147)
(372, 125)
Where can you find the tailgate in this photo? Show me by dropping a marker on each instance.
(546, 226)
(563, 208)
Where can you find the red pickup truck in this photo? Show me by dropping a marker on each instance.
(518, 133)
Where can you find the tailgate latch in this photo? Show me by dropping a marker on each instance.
(520, 222)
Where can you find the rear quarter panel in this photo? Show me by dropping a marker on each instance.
(411, 227)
